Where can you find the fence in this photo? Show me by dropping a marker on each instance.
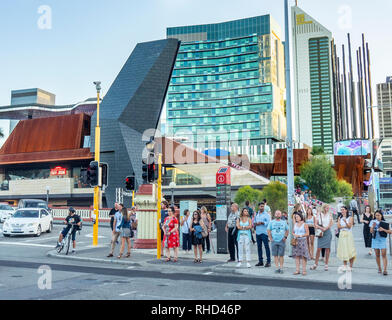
(84, 213)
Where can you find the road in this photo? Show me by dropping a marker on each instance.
(22, 257)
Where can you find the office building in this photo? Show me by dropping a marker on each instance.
(384, 100)
(227, 87)
(313, 89)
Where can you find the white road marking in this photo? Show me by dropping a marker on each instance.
(207, 273)
(27, 244)
(39, 239)
(130, 267)
(90, 235)
(127, 293)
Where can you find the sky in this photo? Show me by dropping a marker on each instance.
(90, 40)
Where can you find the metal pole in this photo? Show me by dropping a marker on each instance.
(290, 155)
(97, 158)
(159, 197)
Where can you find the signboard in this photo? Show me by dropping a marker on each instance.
(223, 176)
(385, 180)
(353, 148)
(58, 171)
(221, 212)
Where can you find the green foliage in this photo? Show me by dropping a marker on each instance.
(344, 189)
(247, 193)
(317, 151)
(320, 177)
(299, 182)
(276, 195)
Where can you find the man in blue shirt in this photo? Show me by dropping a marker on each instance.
(278, 231)
(261, 221)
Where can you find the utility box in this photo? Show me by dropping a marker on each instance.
(223, 204)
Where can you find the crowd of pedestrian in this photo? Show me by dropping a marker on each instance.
(313, 227)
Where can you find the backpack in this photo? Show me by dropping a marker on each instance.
(198, 232)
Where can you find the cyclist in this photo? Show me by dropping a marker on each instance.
(70, 220)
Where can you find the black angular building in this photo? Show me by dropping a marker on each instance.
(133, 105)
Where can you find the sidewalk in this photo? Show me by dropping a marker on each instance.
(364, 272)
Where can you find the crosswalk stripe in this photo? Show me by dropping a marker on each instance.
(26, 244)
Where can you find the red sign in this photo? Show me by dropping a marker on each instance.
(223, 176)
(58, 171)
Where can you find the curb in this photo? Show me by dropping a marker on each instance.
(84, 259)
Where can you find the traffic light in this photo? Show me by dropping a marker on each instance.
(93, 174)
(145, 173)
(130, 183)
(153, 172)
(148, 168)
(104, 174)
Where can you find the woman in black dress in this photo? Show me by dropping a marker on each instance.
(366, 217)
(197, 241)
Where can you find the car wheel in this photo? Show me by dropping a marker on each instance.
(39, 231)
(6, 235)
(50, 227)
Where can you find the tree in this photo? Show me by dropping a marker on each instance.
(247, 193)
(317, 151)
(320, 177)
(344, 189)
(276, 195)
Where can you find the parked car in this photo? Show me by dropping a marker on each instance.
(6, 211)
(28, 221)
(33, 203)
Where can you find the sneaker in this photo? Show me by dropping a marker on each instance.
(208, 251)
(277, 271)
(73, 251)
(281, 271)
(109, 255)
(268, 265)
(239, 264)
(248, 265)
(260, 264)
(58, 245)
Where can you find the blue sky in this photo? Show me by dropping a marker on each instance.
(91, 39)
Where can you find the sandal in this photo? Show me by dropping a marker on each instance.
(200, 261)
(175, 260)
(314, 267)
(304, 273)
(385, 273)
(326, 267)
(128, 255)
(167, 259)
(196, 261)
(119, 257)
(296, 273)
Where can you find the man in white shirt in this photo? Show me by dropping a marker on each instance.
(266, 207)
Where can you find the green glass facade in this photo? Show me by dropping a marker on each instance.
(221, 89)
(320, 87)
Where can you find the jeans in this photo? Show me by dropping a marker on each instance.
(263, 239)
(232, 244)
(244, 241)
(187, 241)
(206, 240)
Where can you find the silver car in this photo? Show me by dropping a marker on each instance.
(6, 211)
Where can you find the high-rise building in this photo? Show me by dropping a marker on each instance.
(313, 90)
(227, 87)
(384, 101)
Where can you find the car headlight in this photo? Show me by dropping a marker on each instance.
(32, 224)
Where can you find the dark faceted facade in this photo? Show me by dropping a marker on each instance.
(133, 105)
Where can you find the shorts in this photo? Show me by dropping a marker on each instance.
(278, 248)
(66, 230)
(312, 231)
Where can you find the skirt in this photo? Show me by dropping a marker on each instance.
(325, 241)
(379, 243)
(312, 231)
(125, 232)
(301, 249)
(346, 247)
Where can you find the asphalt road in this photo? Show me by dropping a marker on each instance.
(22, 258)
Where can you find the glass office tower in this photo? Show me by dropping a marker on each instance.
(227, 87)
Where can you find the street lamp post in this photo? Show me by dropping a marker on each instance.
(289, 140)
(97, 158)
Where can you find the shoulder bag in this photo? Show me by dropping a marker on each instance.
(294, 242)
(319, 233)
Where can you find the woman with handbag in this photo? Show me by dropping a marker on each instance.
(379, 241)
(244, 237)
(310, 222)
(300, 243)
(171, 238)
(346, 247)
(366, 218)
(324, 223)
(125, 228)
(196, 229)
(207, 222)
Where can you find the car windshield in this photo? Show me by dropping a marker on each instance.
(26, 214)
(35, 205)
(5, 207)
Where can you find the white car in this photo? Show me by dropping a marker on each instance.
(6, 211)
(28, 221)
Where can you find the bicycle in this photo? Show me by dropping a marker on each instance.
(66, 242)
